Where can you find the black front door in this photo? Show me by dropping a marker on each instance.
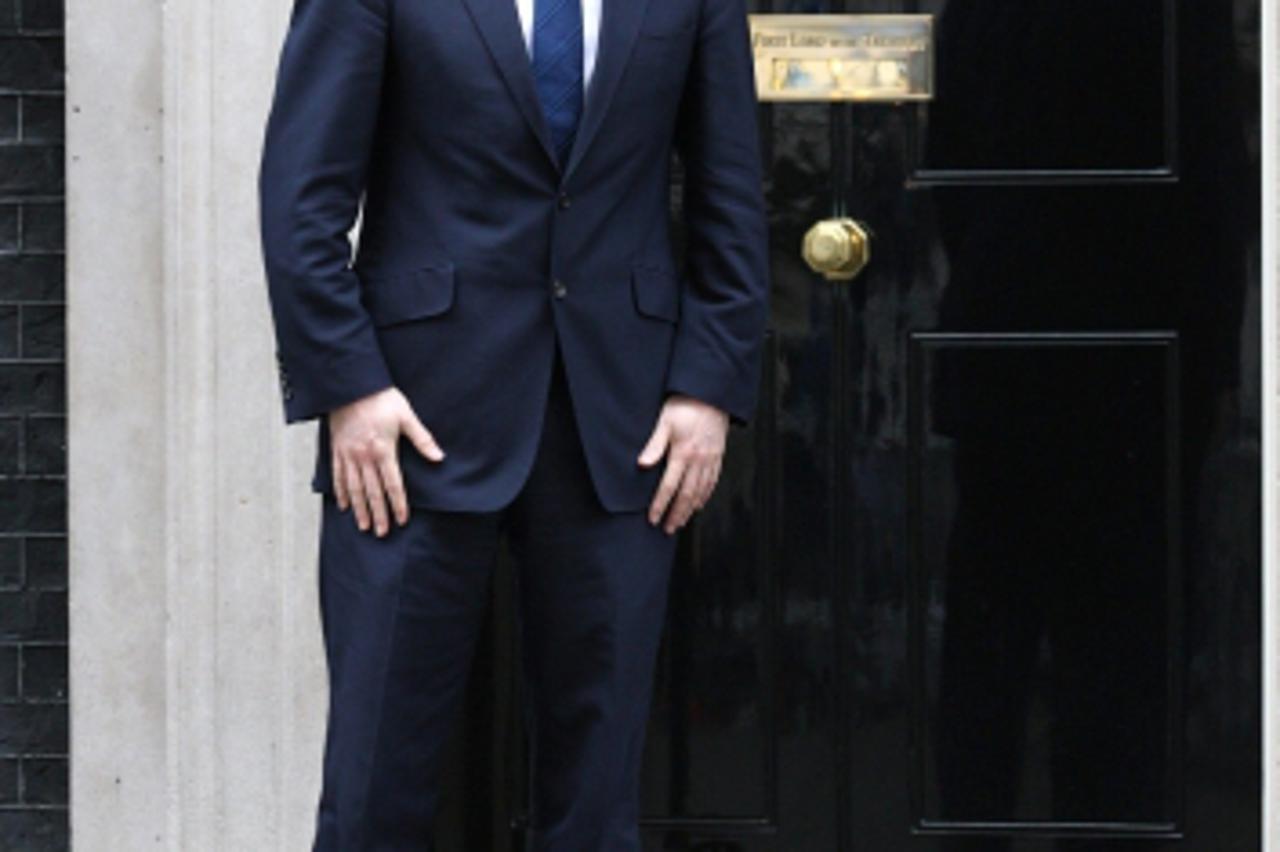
(984, 573)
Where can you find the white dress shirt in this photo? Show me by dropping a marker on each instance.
(590, 33)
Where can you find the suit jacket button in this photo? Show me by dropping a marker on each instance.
(564, 201)
(558, 289)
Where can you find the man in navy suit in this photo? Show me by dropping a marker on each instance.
(512, 350)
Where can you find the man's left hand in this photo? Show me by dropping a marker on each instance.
(692, 434)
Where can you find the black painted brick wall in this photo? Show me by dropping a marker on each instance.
(33, 488)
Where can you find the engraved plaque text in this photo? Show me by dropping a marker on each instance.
(843, 57)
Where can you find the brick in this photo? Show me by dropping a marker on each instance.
(33, 554)
(31, 63)
(46, 562)
(8, 117)
(32, 729)
(44, 780)
(10, 768)
(44, 227)
(36, 830)
(10, 445)
(11, 563)
(10, 217)
(31, 169)
(26, 278)
(40, 14)
(33, 505)
(46, 445)
(8, 331)
(32, 388)
(9, 656)
(44, 672)
(33, 616)
(42, 331)
(42, 118)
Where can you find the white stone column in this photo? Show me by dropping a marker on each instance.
(196, 670)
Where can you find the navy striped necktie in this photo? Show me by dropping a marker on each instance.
(557, 68)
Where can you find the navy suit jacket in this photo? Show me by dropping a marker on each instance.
(477, 251)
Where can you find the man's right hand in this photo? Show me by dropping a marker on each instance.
(364, 435)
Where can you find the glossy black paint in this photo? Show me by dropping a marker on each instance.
(984, 574)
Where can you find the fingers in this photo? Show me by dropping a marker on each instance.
(656, 446)
(355, 491)
(393, 482)
(682, 508)
(686, 486)
(707, 482)
(666, 489)
(364, 479)
(339, 477)
(701, 487)
(421, 438)
(366, 466)
(713, 478)
(376, 496)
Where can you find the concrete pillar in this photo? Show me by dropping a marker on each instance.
(196, 672)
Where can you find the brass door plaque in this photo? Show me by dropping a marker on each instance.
(843, 57)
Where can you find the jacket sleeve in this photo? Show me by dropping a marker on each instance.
(316, 148)
(724, 306)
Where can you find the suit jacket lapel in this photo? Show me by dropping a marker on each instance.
(619, 22)
(499, 24)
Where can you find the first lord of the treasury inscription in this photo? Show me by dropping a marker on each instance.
(843, 57)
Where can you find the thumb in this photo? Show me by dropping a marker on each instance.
(657, 444)
(421, 439)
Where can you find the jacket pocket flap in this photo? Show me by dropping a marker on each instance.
(656, 291)
(403, 296)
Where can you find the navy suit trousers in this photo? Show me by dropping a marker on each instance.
(401, 615)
